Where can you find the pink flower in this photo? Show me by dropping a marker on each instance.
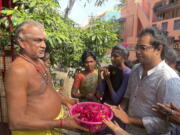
(92, 112)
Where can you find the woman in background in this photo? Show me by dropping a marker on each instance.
(85, 82)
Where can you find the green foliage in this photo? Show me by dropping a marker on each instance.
(120, 5)
(97, 3)
(65, 42)
(4, 34)
(99, 37)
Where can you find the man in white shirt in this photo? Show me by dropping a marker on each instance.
(150, 82)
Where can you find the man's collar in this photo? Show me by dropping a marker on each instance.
(152, 70)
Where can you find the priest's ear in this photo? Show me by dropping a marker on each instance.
(21, 42)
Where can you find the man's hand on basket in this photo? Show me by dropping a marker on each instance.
(120, 113)
(71, 102)
(71, 124)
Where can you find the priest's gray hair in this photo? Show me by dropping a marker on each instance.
(22, 26)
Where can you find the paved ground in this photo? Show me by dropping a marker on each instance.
(68, 82)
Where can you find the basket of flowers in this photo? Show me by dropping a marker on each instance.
(92, 115)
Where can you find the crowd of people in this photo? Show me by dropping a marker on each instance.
(145, 99)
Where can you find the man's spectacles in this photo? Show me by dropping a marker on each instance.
(36, 39)
(143, 47)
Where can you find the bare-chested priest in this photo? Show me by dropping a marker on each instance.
(34, 107)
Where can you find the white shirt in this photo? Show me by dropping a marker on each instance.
(162, 84)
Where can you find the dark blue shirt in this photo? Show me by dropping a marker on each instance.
(117, 95)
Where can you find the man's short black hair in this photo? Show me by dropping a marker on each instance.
(158, 37)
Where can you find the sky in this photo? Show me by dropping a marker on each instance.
(81, 14)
